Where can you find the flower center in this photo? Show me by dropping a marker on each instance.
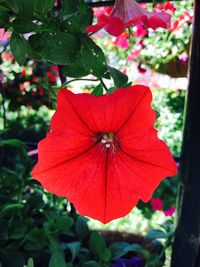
(108, 140)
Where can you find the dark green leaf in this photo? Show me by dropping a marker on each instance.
(93, 57)
(91, 264)
(68, 7)
(81, 228)
(57, 260)
(74, 249)
(10, 207)
(119, 249)
(119, 78)
(18, 47)
(26, 8)
(76, 69)
(61, 224)
(4, 17)
(98, 90)
(154, 234)
(3, 229)
(42, 7)
(79, 21)
(60, 48)
(106, 256)
(24, 26)
(97, 244)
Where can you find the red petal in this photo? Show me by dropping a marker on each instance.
(161, 19)
(94, 28)
(93, 182)
(115, 26)
(147, 157)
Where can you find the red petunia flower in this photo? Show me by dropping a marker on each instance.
(103, 153)
(127, 13)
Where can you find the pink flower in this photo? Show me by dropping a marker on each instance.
(122, 41)
(127, 13)
(140, 30)
(169, 212)
(169, 6)
(4, 35)
(156, 203)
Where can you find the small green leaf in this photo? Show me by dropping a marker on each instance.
(81, 228)
(61, 224)
(106, 256)
(119, 249)
(24, 26)
(57, 260)
(74, 249)
(119, 78)
(97, 244)
(98, 90)
(30, 263)
(154, 234)
(18, 48)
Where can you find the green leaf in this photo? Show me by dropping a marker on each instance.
(13, 5)
(119, 78)
(25, 9)
(119, 249)
(57, 260)
(61, 224)
(79, 21)
(91, 264)
(98, 90)
(93, 57)
(61, 48)
(106, 256)
(69, 7)
(154, 234)
(76, 69)
(18, 48)
(24, 26)
(44, 6)
(97, 244)
(30, 263)
(4, 17)
(81, 228)
(10, 207)
(74, 249)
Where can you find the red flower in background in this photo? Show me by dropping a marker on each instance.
(103, 153)
(127, 13)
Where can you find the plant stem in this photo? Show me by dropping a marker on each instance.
(103, 84)
(78, 79)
